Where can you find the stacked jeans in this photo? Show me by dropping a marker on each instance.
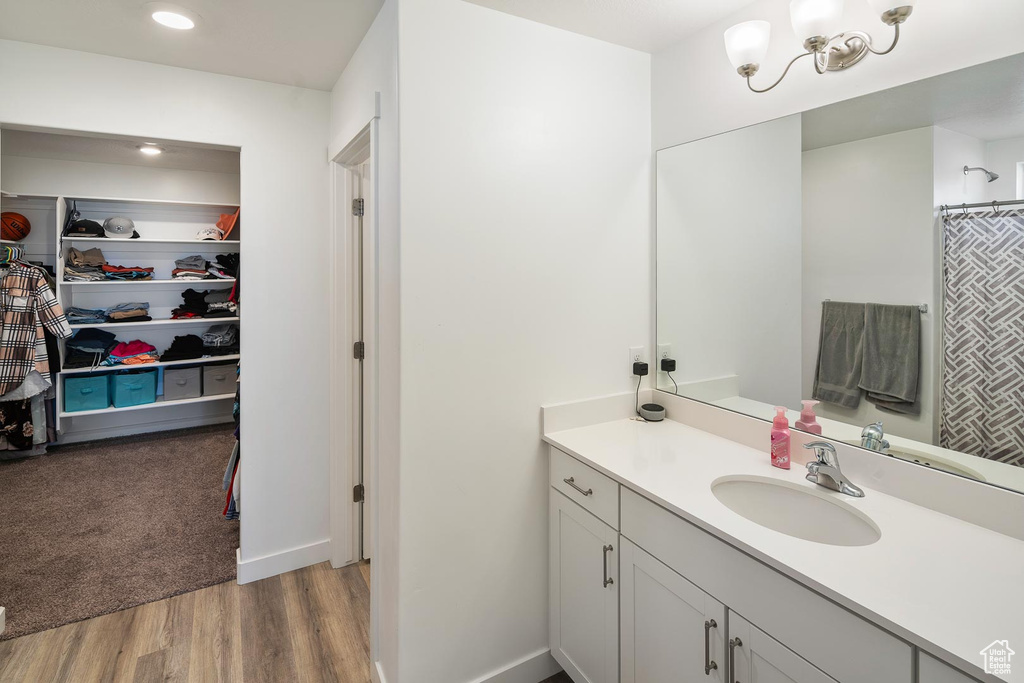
(86, 316)
(221, 340)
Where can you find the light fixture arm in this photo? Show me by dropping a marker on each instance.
(867, 41)
(786, 71)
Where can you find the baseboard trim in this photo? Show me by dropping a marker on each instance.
(532, 668)
(377, 674)
(284, 561)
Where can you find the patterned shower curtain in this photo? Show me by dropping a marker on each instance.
(983, 335)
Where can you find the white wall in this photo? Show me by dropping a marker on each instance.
(1005, 157)
(729, 259)
(953, 151)
(281, 131)
(696, 91)
(27, 175)
(869, 235)
(374, 69)
(525, 277)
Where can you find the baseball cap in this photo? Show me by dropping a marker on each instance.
(119, 227)
(84, 228)
(210, 233)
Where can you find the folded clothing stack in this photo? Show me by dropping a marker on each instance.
(132, 353)
(86, 316)
(219, 304)
(221, 340)
(84, 266)
(194, 305)
(88, 348)
(224, 266)
(190, 268)
(185, 347)
(133, 312)
(127, 272)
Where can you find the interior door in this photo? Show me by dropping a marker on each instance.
(672, 631)
(584, 596)
(756, 657)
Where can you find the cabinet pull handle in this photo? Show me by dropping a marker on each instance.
(607, 579)
(571, 481)
(733, 644)
(709, 665)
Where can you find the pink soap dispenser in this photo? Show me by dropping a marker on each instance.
(780, 439)
(808, 421)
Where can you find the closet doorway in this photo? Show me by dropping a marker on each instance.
(118, 454)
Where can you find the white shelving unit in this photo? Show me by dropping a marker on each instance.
(167, 232)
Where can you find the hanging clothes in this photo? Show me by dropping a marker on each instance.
(28, 307)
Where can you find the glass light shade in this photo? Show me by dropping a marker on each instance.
(747, 43)
(813, 18)
(882, 6)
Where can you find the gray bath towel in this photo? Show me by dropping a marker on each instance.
(840, 354)
(892, 357)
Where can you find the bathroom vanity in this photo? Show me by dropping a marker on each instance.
(679, 555)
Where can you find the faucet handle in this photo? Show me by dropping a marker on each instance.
(824, 453)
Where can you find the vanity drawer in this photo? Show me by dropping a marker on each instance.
(835, 640)
(586, 486)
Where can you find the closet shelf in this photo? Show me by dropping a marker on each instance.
(159, 403)
(213, 244)
(160, 364)
(160, 323)
(133, 283)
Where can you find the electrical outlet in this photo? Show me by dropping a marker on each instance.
(637, 353)
(664, 351)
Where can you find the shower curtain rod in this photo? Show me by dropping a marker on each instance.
(979, 205)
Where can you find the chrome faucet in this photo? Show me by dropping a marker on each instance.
(872, 438)
(825, 471)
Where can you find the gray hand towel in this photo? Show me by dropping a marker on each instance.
(840, 354)
(892, 357)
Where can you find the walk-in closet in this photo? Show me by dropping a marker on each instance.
(120, 372)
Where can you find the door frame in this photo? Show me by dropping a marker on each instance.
(343, 296)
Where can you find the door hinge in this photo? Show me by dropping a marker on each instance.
(358, 492)
(359, 350)
(358, 207)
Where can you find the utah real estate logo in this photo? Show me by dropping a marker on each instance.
(997, 657)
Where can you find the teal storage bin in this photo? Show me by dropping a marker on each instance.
(133, 389)
(88, 392)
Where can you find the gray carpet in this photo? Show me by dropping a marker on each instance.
(95, 528)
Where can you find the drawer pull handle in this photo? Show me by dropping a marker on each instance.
(709, 665)
(733, 644)
(607, 579)
(571, 481)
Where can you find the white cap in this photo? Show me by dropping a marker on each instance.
(210, 233)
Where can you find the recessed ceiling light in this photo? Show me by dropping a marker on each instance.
(150, 149)
(175, 20)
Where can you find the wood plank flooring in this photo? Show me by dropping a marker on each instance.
(307, 625)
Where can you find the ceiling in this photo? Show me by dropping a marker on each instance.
(113, 150)
(647, 25)
(984, 101)
(304, 43)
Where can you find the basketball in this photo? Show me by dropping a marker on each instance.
(14, 226)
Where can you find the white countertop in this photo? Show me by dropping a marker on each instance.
(943, 584)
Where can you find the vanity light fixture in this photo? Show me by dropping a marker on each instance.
(150, 149)
(817, 23)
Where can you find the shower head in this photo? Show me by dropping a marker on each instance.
(991, 176)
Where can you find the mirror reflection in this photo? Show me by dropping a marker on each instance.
(861, 265)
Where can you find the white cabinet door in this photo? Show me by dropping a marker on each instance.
(754, 657)
(931, 670)
(672, 631)
(584, 596)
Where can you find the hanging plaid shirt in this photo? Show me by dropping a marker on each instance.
(27, 306)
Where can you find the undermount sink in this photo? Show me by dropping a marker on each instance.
(796, 510)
